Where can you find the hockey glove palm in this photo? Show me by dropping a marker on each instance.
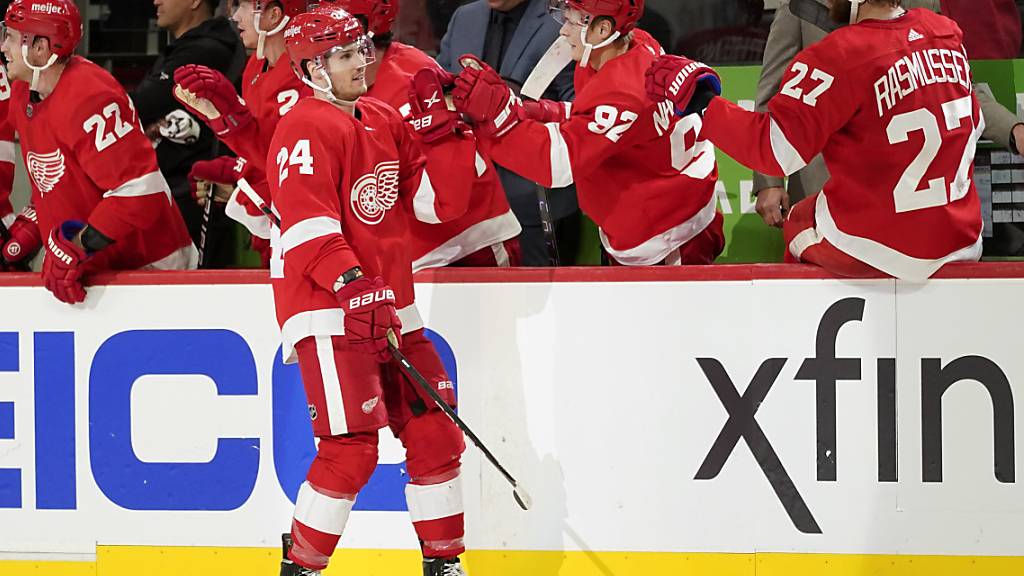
(370, 313)
(210, 95)
(688, 84)
(25, 238)
(62, 264)
(430, 115)
(483, 96)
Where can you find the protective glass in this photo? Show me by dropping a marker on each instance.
(354, 56)
(563, 13)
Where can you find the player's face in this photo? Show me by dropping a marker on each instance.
(574, 22)
(346, 67)
(11, 46)
(243, 13)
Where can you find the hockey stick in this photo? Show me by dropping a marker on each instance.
(204, 225)
(543, 199)
(547, 224)
(518, 492)
(246, 188)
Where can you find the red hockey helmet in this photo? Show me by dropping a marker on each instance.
(625, 13)
(319, 31)
(379, 14)
(57, 20)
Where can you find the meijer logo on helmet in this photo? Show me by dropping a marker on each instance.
(48, 8)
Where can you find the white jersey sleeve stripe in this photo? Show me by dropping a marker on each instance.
(7, 152)
(481, 165)
(785, 153)
(561, 166)
(256, 225)
(152, 183)
(308, 230)
(423, 202)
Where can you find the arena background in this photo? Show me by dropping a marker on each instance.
(137, 440)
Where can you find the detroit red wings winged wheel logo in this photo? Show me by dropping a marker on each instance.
(374, 194)
(46, 169)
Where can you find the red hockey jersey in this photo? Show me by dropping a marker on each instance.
(269, 92)
(341, 186)
(890, 106)
(88, 159)
(488, 220)
(648, 195)
(7, 151)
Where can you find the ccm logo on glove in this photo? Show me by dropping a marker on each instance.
(371, 297)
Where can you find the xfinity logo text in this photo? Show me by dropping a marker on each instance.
(827, 371)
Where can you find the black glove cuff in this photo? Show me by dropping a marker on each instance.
(702, 98)
(93, 240)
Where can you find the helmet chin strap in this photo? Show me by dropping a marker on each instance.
(36, 70)
(264, 33)
(588, 48)
(855, 10)
(327, 91)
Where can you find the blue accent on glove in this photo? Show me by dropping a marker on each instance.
(70, 228)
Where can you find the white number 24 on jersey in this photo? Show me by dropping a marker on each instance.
(299, 156)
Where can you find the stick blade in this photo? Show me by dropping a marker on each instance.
(522, 497)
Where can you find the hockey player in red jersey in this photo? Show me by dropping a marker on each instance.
(347, 177)
(269, 90)
(99, 196)
(487, 235)
(888, 101)
(19, 233)
(654, 202)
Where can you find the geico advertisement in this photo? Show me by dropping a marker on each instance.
(775, 415)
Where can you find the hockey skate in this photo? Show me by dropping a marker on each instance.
(289, 568)
(442, 567)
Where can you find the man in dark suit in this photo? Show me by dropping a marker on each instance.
(512, 36)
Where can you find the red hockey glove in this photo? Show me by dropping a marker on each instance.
(545, 111)
(483, 96)
(262, 247)
(205, 173)
(688, 84)
(62, 264)
(369, 313)
(24, 239)
(429, 114)
(209, 95)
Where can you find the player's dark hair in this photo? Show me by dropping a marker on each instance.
(213, 4)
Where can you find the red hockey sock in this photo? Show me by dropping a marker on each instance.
(433, 447)
(342, 467)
